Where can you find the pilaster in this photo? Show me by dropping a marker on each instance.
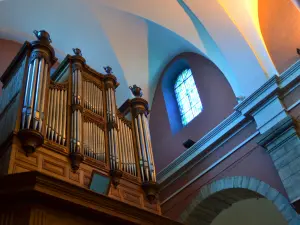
(283, 144)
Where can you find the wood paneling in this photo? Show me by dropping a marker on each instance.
(57, 164)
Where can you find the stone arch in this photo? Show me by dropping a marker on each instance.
(221, 194)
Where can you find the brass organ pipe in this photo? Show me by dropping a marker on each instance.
(57, 114)
(100, 102)
(93, 96)
(39, 81)
(142, 142)
(110, 105)
(60, 124)
(147, 131)
(90, 96)
(107, 105)
(97, 100)
(75, 128)
(86, 95)
(94, 139)
(91, 146)
(125, 148)
(146, 145)
(76, 92)
(54, 114)
(103, 145)
(117, 149)
(79, 86)
(121, 143)
(110, 150)
(48, 111)
(84, 138)
(141, 160)
(132, 152)
(64, 117)
(114, 148)
(49, 120)
(128, 149)
(32, 90)
(89, 138)
(73, 88)
(28, 81)
(99, 143)
(72, 132)
(44, 87)
(113, 103)
(80, 128)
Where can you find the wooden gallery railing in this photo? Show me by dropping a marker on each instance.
(75, 112)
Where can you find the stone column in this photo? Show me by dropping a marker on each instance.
(283, 144)
(76, 149)
(140, 112)
(36, 92)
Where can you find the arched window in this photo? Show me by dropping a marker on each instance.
(187, 96)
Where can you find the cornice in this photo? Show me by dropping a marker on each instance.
(34, 187)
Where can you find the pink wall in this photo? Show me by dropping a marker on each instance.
(218, 101)
(250, 160)
(8, 50)
(279, 23)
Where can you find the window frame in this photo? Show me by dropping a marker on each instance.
(185, 90)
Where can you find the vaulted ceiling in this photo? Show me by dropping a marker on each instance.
(137, 38)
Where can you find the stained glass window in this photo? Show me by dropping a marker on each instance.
(187, 96)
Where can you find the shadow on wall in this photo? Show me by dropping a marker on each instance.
(279, 23)
(8, 50)
(217, 98)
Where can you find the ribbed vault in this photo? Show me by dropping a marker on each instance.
(138, 38)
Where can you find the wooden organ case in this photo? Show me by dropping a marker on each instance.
(65, 128)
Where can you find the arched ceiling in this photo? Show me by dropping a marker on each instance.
(137, 38)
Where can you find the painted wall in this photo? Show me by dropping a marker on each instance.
(249, 160)
(218, 101)
(8, 50)
(279, 24)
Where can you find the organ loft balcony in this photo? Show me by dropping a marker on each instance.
(65, 147)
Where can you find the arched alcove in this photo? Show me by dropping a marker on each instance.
(217, 97)
(221, 194)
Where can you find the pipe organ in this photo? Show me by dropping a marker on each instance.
(56, 126)
(74, 112)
